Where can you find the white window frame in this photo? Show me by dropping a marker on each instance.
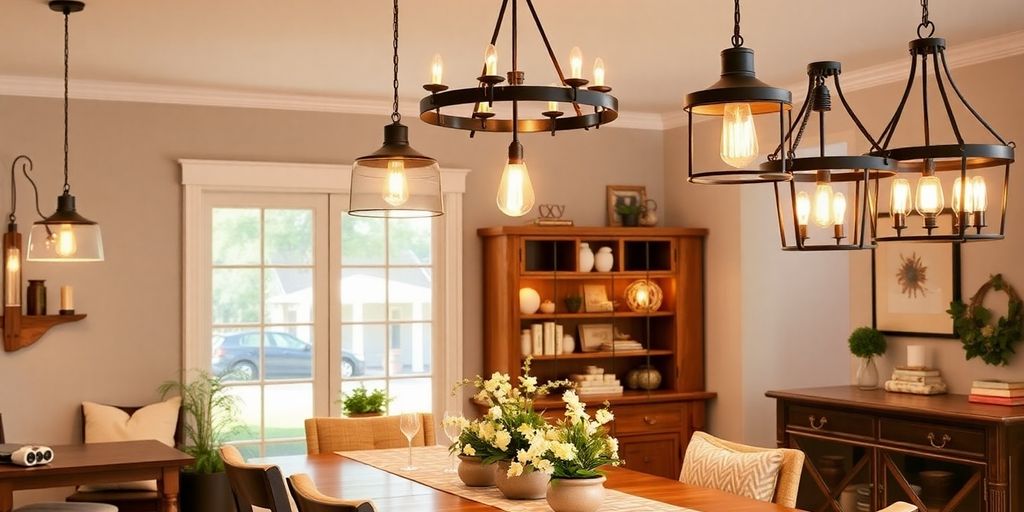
(202, 178)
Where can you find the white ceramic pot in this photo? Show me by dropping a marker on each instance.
(604, 260)
(568, 344)
(586, 261)
(529, 301)
(474, 473)
(526, 343)
(531, 485)
(576, 495)
(547, 307)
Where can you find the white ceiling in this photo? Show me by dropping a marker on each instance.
(656, 51)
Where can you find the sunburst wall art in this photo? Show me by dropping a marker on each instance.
(913, 284)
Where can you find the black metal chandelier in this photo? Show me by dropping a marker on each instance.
(472, 108)
(973, 162)
(823, 209)
(396, 180)
(737, 97)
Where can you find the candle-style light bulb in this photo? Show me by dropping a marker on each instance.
(12, 277)
(491, 60)
(899, 203)
(739, 138)
(483, 108)
(980, 195)
(599, 72)
(838, 216)
(823, 204)
(396, 184)
(963, 203)
(929, 200)
(437, 70)
(576, 62)
(66, 245)
(803, 213)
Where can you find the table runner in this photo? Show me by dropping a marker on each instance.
(432, 460)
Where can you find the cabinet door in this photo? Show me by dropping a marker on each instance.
(656, 454)
(837, 475)
(933, 484)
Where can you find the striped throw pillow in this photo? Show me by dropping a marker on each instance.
(745, 474)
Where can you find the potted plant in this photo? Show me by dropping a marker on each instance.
(360, 403)
(573, 302)
(630, 213)
(210, 418)
(866, 343)
(472, 470)
(578, 447)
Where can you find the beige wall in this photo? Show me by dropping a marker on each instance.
(126, 176)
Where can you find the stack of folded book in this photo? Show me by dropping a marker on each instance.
(596, 382)
(621, 346)
(997, 392)
(917, 381)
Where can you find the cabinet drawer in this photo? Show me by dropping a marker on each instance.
(934, 437)
(831, 421)
(631, 419)
(657, 454)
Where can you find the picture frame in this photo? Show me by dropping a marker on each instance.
(595, 299)
(592, 336)
(627, 194)
(912, 286)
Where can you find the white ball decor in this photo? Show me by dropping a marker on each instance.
(643, 296)
(529, 301)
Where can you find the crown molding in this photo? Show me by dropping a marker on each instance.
(975, 52)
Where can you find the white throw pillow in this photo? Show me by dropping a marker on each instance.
(105, 424)
(745, 474)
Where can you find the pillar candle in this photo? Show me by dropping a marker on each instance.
(917, 356)
(67, 299)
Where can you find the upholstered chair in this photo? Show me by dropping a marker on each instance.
(309, 499)
(328, 435)
(787, 481)
(254, 485)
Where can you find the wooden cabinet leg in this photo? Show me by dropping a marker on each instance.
(168, 490)
(6, 497)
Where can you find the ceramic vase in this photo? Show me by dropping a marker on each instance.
(547, 307)
(525, 343)
(646, 377)
(586, 260)
(531, 485)
(529, 301)
(475, 473)
(576, 495)
(604, 260)
(568, 344)
(867, 374)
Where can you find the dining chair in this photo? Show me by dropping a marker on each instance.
(328, 435)
(309, 499)
(787, 484)
(254, 485)
(899, 506)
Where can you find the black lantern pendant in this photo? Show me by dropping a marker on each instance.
(396, 180)
(819, 212)
(969, 168)
(737, 98)
(65, 235)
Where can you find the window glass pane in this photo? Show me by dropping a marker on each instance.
(236, 293)
(289, 295)
(286, 408)
(410, 293)
(287, 356)
(282, 449)
(410, 348)
(363, 295)
(362, 241)
(236, 236)
(411, 395)
(249, 451)
(365, 347)
(288, 238)
(409, 241)
(248, 398)
(236, 353)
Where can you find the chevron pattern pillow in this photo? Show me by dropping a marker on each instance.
(745, 474)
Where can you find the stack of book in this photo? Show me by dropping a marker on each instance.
(917, 381)
(596, 382)
(621, 346)
(997, 392)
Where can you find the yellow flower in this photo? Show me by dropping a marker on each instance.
(564, 451)
(544, 466)
(529, 384)
(515, 469)
(501, 439)
(603, 416)
(494, 412)
(988, 330)
(469, 450)
(613, 447)
(526, 430)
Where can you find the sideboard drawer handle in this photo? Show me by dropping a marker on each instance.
(649, 420)
(820, 424)
(945, 439)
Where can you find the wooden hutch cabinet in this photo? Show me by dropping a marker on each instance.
(867, 449)
(653, 426)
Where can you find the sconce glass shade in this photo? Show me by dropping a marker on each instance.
(396, 181)
(12, 267)
(65, 236)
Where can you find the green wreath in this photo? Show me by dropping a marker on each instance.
(993, 343)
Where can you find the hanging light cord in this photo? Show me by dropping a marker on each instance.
(396, 117)
(26, 166)
(925, 22)
(67, 53)
(737, 39)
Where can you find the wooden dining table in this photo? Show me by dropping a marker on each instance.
(341, 477)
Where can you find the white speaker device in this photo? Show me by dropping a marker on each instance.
(26, 455)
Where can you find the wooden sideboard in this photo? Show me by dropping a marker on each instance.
(940, 453)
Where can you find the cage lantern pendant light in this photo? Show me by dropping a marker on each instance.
(396, 180)
(811, 193)
(65, 235)
(590, 104)
(970, 163)
(737, 97)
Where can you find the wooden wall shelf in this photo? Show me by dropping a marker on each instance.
(34, 327)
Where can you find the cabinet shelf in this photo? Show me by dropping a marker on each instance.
(608, 314)
(632, 275)
(34, 327)
(607, 355)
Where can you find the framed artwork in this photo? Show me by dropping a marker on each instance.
(912, 286)
(624, 194)
(592, 336)
(595, 299)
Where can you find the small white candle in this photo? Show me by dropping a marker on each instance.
(67, 298)
(917, 356)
